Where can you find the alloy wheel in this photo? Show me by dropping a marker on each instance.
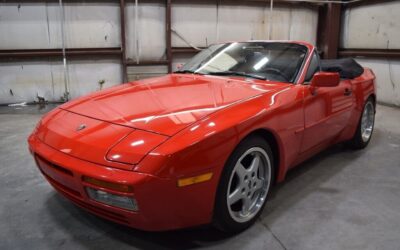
(367, 122)
(249, 184)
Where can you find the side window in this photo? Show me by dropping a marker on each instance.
(313, 68)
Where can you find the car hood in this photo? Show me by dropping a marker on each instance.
(94, 140)
(165, 105)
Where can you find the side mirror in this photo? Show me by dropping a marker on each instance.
(325, 79)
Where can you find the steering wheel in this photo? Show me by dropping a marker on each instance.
(278, 72)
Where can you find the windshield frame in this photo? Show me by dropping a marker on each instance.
(296, 78)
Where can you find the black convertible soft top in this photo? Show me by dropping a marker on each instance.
(347, 68)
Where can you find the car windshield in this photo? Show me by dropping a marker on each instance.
(272, 61)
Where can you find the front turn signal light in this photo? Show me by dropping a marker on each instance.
(195, 179)
(109, 185)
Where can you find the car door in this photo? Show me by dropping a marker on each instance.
(327, 110)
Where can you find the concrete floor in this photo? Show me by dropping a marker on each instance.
(340, 199)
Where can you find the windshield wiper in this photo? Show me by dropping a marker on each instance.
(236, 73)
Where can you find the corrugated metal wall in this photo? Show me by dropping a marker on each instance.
(203, 24)
(37, 25)
(30, 25)
(377, 27)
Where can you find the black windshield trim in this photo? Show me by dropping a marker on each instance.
(297, 74)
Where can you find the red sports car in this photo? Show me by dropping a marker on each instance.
(206, 143)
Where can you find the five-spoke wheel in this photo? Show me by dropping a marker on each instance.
(248, 184)
(244, 185)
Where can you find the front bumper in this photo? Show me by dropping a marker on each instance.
(162, 205)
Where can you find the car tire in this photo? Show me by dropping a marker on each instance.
(244, 186)
(365, 126)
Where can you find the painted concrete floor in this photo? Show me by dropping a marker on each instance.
(340, 199)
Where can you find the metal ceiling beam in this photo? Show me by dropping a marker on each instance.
(366, 2)
(38, 53)
(370, 53)
(123, 40)
(185, 50)
(329, 18)
(168, 35)
(146, 63)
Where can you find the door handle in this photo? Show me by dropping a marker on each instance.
(347, 92)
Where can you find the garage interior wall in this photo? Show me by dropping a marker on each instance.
(376, 26)
(34, 25)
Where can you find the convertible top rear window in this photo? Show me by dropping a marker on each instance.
(347, 68)
(273, 61)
